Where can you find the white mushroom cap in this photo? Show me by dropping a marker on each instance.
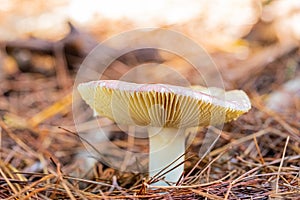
(161, 105)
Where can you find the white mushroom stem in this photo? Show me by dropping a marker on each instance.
(95, 114)
(166, 145)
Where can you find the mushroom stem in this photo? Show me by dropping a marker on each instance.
(166, 145)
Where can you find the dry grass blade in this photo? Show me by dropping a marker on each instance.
(206, 195)
(295, 133)
(32, 185)
(198, 174)
(16, 138)
(281, 163)
(162, 172)
(195, 185)
(12, 187)
(254, 157)
(204, 154)
(240, 141)
(258, 151)
(50, 111)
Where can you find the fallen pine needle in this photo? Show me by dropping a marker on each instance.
(281, 163)
(207, 195)
(50, 111)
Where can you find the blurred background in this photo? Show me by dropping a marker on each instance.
(236, 29)
(254, 44)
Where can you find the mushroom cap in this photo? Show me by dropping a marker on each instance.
(162, 105)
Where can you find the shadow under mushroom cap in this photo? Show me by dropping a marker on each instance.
(162, 105)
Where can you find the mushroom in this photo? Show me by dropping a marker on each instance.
(167, 111)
